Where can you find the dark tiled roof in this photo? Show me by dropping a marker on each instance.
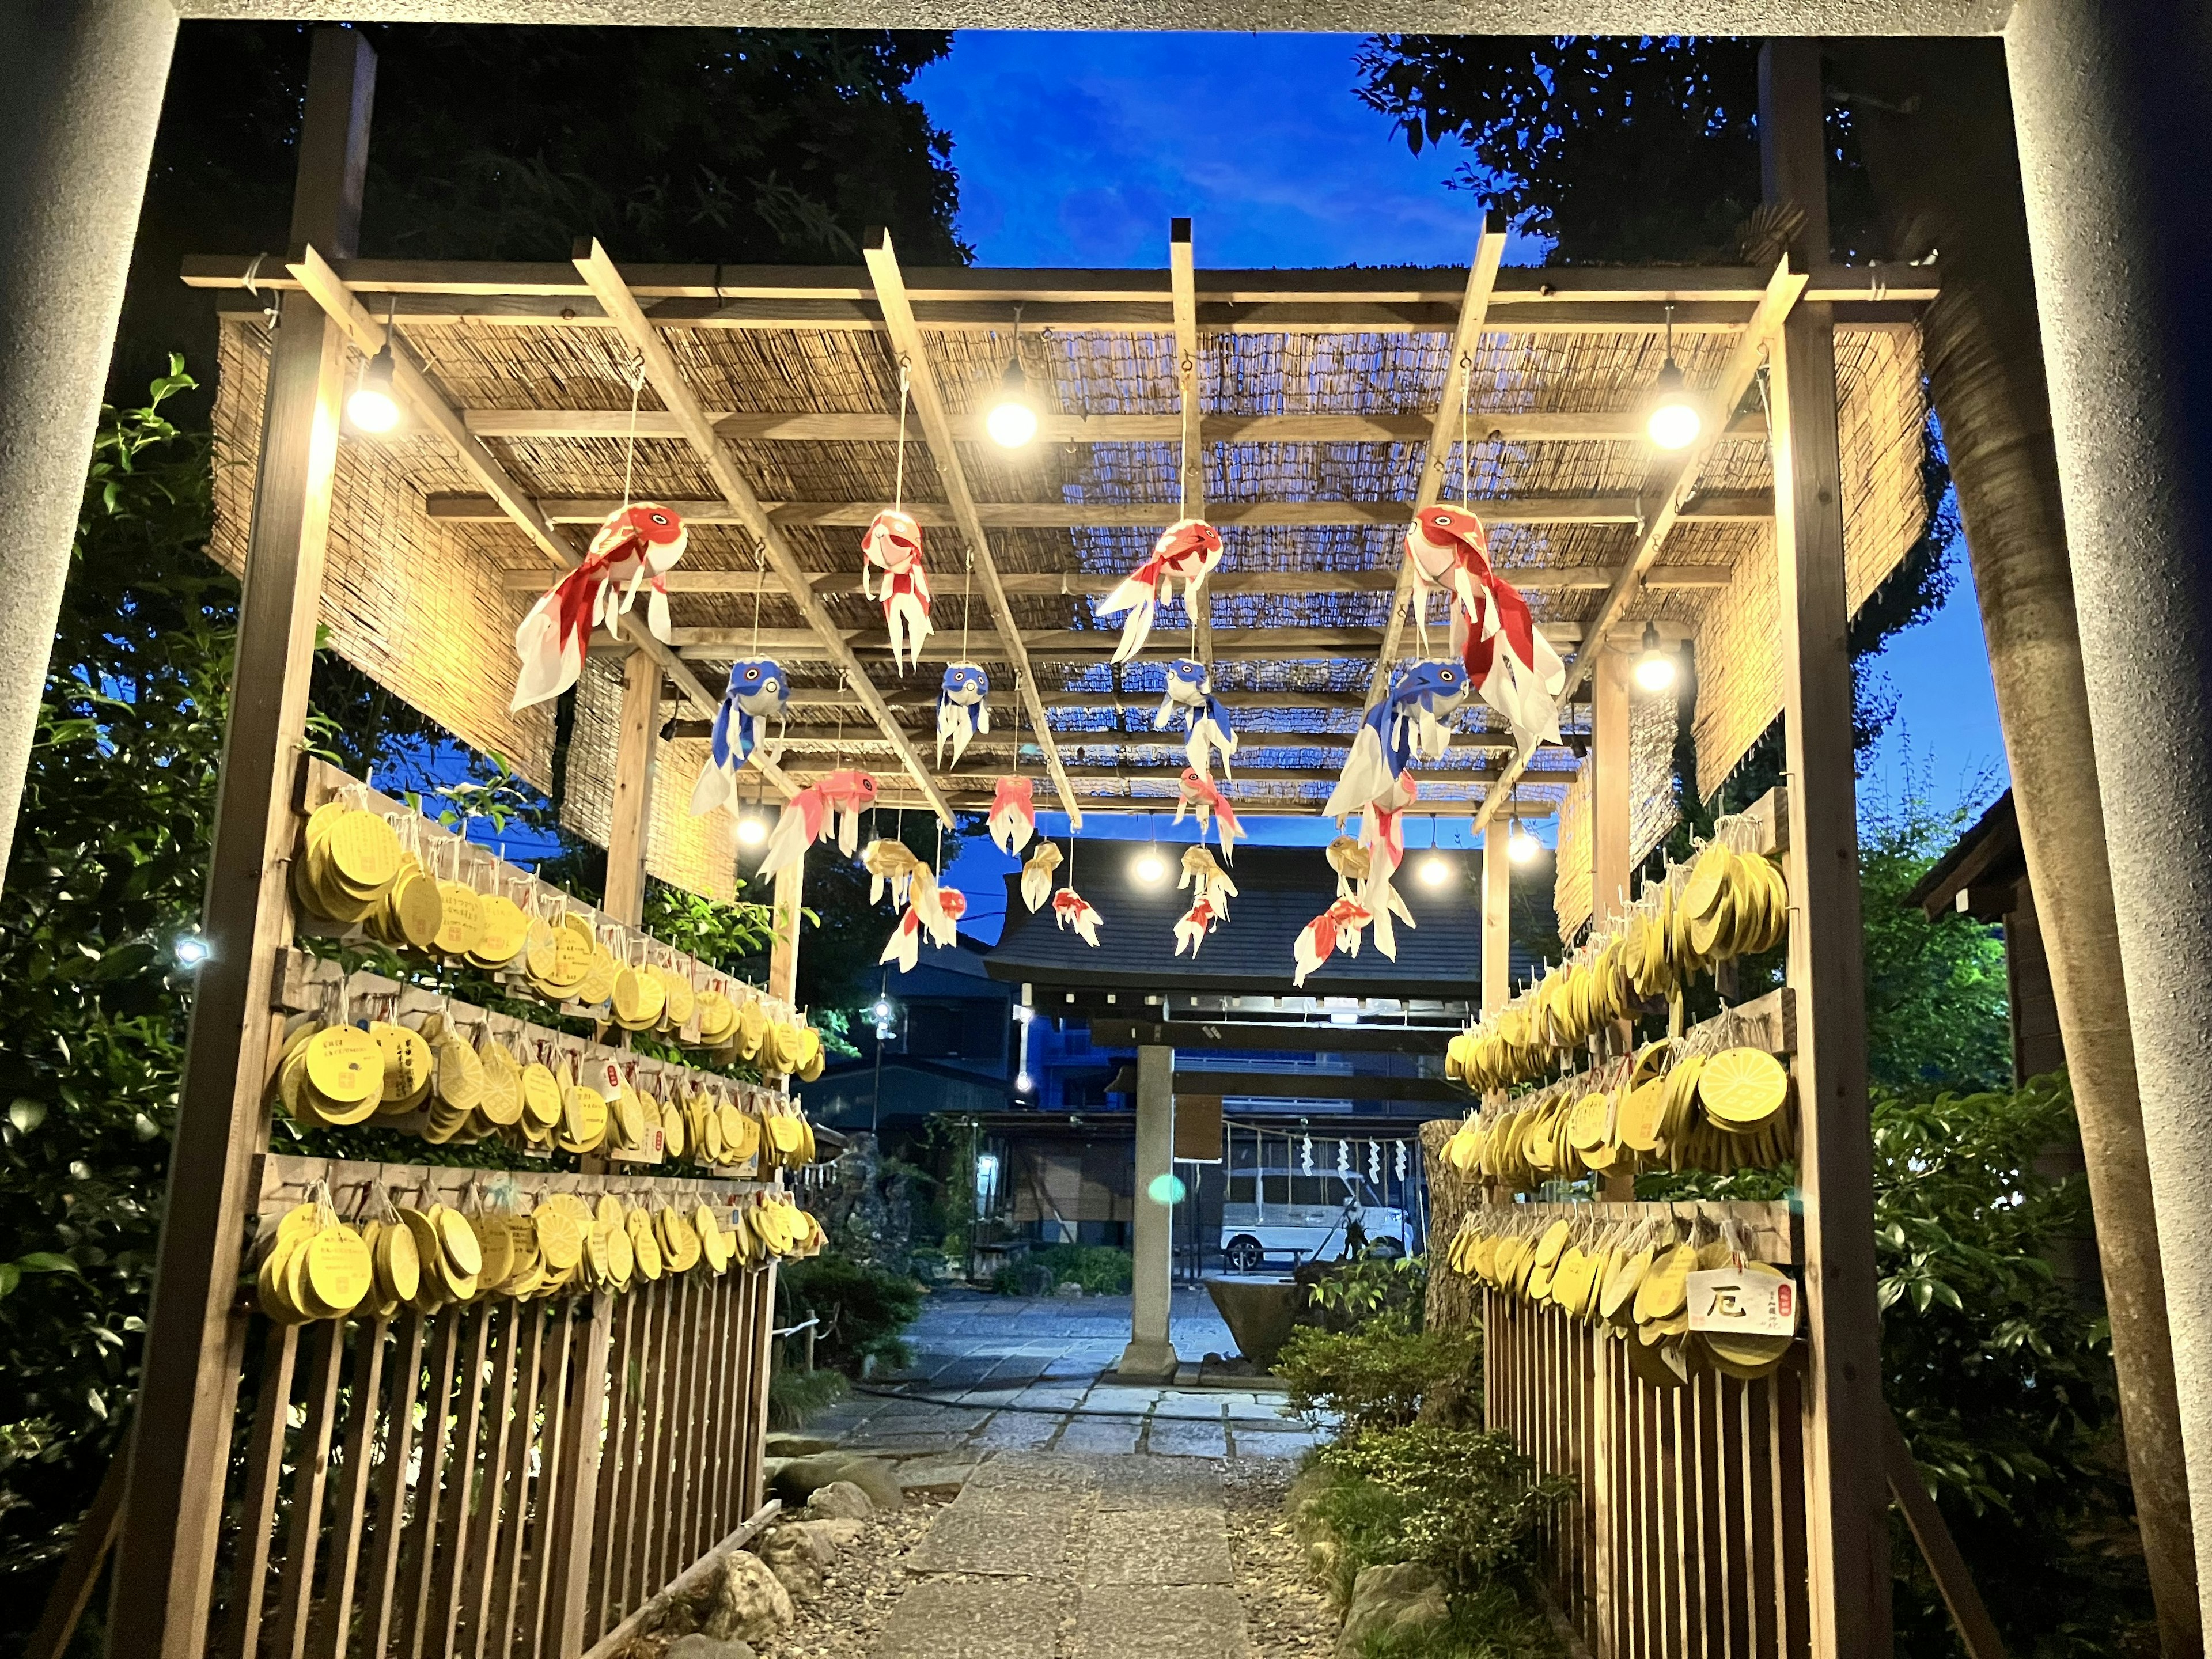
(1989, 854)
(1280, 890)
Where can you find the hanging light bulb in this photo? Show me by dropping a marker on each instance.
(371, 407)
(1655, 666)
(1149, 868)
(1673, 422)
(1013, 421)
(752, 830)
(1435, 870)
(1520, 846)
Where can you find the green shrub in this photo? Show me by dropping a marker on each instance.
(1100, 1269)
(862, 1308)
(1462, 1501)
(1382, 1378)
(1357, 1295)
(796, 1396)
(1495, 1622)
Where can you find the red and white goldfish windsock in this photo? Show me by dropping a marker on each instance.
(1382, 837)
(1038, 875)
(893, 546)
(1197, 923)
(1509, 663)
(1071, 909)
(832, 805)
(1013, 815)
(904, 947)
(636, 546)
(1188, 551)
(1202, 801)
(932, 911)
(1335, 929)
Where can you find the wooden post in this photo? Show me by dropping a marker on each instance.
(630, 830)
(1609, 772)
(164, 1563)
(1496, 918)
(783, 952)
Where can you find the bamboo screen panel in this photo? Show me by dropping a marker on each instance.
(1686, 1539)
(699, 855)
(509, 1479)
(415, 603)
(1880, 417)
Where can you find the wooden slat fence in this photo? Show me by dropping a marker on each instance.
(505, 1480)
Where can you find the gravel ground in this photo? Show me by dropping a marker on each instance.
(1284, 1610)
(860, 1589)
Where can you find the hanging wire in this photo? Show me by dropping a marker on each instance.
(760, 581)
(633, 372)
(967, 601)
(898, 488)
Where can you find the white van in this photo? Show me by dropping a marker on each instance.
(1284, 1218)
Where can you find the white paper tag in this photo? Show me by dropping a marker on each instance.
(1750, 1304)
(655, 1149)
(604, 1076)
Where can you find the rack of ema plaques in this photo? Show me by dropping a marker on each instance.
(1651, 1355)
(496, 1410)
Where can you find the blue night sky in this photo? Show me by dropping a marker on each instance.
(1076, 150)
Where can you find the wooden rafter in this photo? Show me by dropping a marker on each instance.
(369, 336)
(667, 381)
(1281, 644)
(1713, 409)
(906, 344)
(1182, 280)
(1467, 329)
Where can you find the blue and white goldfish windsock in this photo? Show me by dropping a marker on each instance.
(757, 693)
(962, 708)
(1414, 721)
(893, 546)
(1188, 551)
(1205, 716)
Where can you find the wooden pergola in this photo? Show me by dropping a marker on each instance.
(1309, 413)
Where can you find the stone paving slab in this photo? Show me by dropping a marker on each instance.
(1019, 1473)
(943, 1619)
(1101, 1434)
(1260, 1444)
(1183, 1402)
(1159, 1623)
(1180, 1439)
(1146, 1483)
(1157, 1546)
(1017, 1431)
(1003, 1543)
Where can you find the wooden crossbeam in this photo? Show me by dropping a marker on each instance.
(1049, 584)
(907, 348)
(321, 281)
(1241, 644)
(1539, 799)
(1487, 425)
(668, 383)
(1182, 283)
(1445, 426)
(1714, 407)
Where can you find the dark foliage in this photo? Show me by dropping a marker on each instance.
(862, 1309)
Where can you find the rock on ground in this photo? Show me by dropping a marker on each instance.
(840, 1500)
(738, 1599)
(1393, 1600)
(798, 1479)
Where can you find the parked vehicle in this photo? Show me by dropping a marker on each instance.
(1286, 1219)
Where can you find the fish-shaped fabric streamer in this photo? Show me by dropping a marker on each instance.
(1383, 838)
(891, 867)
(835, 804)
(1510, 664)
(1205, 716)
(961, 710)
(1038, 875)
(1203, 801)
(1071, 909)
(1408, 724)
(1013, 815)
(1197, 923)
(1213, 884)
(636, 546)
(904, 946)
(756, 692)
(1336, 928)
(1188, 551)
(1349, 860)
(893, 545)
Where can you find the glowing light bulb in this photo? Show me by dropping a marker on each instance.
(1673, 422)
(191, 951)
(1435, 870)
(1655, 666)
(1025, 1083)
(1149, 868)
(1521, 846)
(751, 831)
(371, 408)
(1013, 421)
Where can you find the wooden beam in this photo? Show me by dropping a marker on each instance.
(1104, 798)
(1192, 1035)
(1444, 427)
(605, 282)
(1714, 407)
(1182, 286)
(907, 347)
(188, 1388)
(1279, 644)
(629, 827)
(1302, 1085)
(1970, 1614)
(1753, 507)
(1496, 921)
(786, 915)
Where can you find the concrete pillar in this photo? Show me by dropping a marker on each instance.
(1151, 1356)
(2112, 100)
(1497, 917)
(73, 159)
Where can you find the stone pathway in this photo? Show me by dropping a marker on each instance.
(1106, 1557)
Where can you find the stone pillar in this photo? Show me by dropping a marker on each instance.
(73, 159)
(1497, 916)
(2112, 100)
(1151, 1356)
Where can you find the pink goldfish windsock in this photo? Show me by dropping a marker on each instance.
(1188, 551)
(1335, 929)
(1071, 909)
(1509, 663)
(635, 547)
(1197, 923)
(1203, 800)
(1013, 815)
(893, 546)
(831, 806)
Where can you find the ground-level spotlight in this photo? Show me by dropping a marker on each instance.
(191, 950)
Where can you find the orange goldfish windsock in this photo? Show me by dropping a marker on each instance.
(1189, 551)
(635, 547)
